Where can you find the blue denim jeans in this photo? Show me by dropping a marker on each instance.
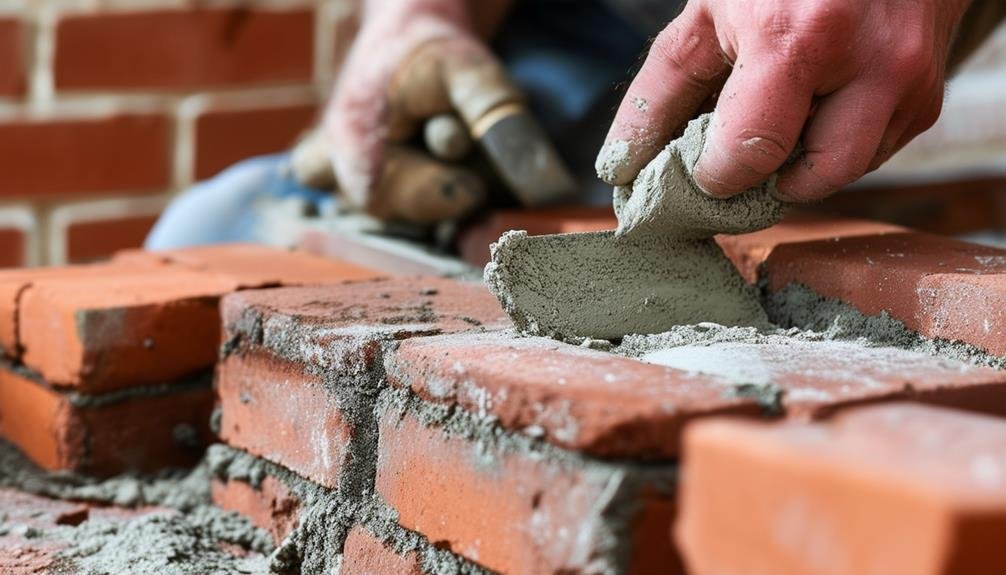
(568, 57)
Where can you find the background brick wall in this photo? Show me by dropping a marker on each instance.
(109, 107)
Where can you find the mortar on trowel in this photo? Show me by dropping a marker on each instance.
(660, 267)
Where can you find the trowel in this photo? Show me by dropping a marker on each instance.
(660, 269)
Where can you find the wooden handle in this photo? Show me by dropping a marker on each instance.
(418, 189)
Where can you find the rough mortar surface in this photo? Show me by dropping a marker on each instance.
(659, 269)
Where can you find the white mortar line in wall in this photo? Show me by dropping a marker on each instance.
(61, 217)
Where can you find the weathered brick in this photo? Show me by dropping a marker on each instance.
(116, 330)
(97, 239)
(940, 287)
(13, 77)
(748, 251)
(475, 240)
(885, 489)
(270, 505)
(299, 350)
(183, 49)
(611, 406)
(513, 512)
(58, 432)
(225, 136)
(127, 152)
(364, 554)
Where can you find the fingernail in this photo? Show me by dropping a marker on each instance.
(612, 161)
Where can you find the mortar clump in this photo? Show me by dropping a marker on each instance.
(658, 269)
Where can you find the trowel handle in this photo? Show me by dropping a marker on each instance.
(419, 189)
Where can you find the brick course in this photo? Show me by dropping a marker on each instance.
(896, 488)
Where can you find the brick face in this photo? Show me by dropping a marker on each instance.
(364, 554)
(13, 79)
(224, 137)
(13, 243)
(270, 505)
(183, 49)
(99, 239)
(126, 152)
(886, 489)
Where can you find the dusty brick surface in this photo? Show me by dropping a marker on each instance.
(885, 489)
(299, 351)
(270, 505)
(364, 554)
(183, 49)
(58, 434)
(24, 513)
(748, 251)
(77, 156)
(509, 512)
(939, 287)
(225, 136)
(610, 406)
(474, 242)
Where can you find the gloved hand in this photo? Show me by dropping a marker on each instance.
(412, 61)
(855, 80)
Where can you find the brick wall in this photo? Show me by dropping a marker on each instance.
(107, 109)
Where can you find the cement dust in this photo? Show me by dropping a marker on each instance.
(659, 269)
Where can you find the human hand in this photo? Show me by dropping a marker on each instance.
(853, 80)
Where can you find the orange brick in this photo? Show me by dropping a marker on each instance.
(184, 49)
(127, 152)
(940, 287)
(57, 434)
(270, 505)
(748, 251)
(223, 137)
(92, 240)
(364, 554)
(886, 489)
(13, 81)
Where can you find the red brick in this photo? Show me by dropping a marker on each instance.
(748, 251)
(270, 403)
(92, 240)
(223, 137)
(57, 434)
(183, 49)
(255, 266)
(116, 330)
(939, 287)
(62, 157)
(364, 554)
(508, 512)
(13, 78)
(274, 410)
(270, 506)
(13, 248)
(886, 489)
(610, 406)
(474, 241)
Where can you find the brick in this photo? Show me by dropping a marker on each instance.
(45, 158)
(59, 433)
(748, 251)
(224, 137)
(92, 240)
(940, 287)
(364, 554)
(333, 330)
(13, 248)
(183, 49)
(13, 77)
(270, 505)
(474, 242)
(109, 331)
(508, 512)
(255, 266)
(611, 406)
(886, 489)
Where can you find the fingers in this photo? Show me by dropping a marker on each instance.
(311, 163)
(841, 142)
(682, 70)
(759, 116)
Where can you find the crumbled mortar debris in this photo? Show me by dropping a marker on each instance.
(186, 535)
(659, 269)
